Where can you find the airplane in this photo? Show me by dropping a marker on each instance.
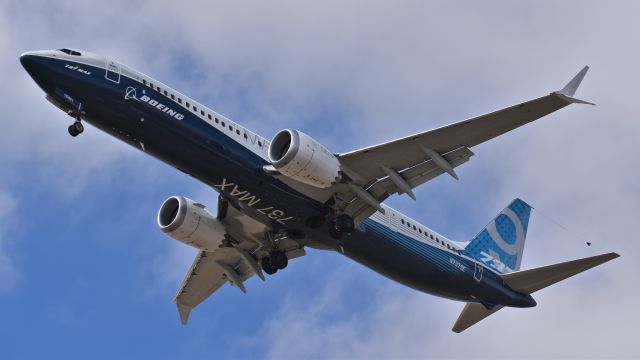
(278, 197)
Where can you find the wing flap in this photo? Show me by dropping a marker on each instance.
(415, 176)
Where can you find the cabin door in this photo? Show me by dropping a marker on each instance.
(113, 71)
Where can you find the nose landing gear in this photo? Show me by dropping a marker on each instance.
(76, 128)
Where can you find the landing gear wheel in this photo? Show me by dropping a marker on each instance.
(76, 129)
(341, 225)
(267, 266)
(279, 259)
(333, 231)
(344, 224)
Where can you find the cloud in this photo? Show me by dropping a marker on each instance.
(358, 73)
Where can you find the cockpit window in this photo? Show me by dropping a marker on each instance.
(70, 52)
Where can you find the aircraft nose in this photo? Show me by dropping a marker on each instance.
(29, 61)
(36, 64)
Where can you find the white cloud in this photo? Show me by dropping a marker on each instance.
(393, 69)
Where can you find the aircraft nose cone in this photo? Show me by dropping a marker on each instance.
(35, 63)
(30, 62)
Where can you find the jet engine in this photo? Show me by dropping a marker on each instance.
(298, 156)
(189, 222)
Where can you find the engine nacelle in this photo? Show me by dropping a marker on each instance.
(298, 156)
(190, 223)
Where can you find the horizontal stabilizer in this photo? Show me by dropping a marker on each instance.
(471, 314)
(532, 280)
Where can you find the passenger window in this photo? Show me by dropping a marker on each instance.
(217, 121)
(260, 143)
(402, 221)
(209, 116)
(179, 101)
(222, 123)
(151, 85)
(230, 127)
(202, 112)
(420, 231)
(195, 108)
(414, 227)
(144, 81)
(245, 136)
(187, 103)
(166, 93)
(173, 97)
(237, 131)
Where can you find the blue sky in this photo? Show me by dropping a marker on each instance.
(85, 272)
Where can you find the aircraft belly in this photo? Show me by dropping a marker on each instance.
(409, 261)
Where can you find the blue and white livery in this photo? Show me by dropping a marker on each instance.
(278, 197)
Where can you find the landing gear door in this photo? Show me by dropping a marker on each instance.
(112, 71)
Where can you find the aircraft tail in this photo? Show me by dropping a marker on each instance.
(472, 314)
(528, 282)
(501, 243)
(532, 280)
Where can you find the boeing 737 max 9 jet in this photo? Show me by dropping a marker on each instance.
(278, 197)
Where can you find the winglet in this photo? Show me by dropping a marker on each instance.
(569, 90)
(571, 87)
(184, 311)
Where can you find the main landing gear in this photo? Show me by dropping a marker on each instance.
(76, 128)
(342, 224)
(277, 260)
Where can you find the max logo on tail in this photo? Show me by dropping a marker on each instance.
(501, 243)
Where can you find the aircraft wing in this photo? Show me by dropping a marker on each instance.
(403, 164)
(234, 263)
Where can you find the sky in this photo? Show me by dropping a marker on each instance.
(85, 272)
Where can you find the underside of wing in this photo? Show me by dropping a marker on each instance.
(399, 166)
(234, 262)
(211, 270)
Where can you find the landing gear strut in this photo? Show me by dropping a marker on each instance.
(277, 260)
(342, 224)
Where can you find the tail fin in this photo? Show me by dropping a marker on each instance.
(530, 281)
(501, 243)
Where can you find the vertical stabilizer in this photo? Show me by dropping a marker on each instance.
(500, 244)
